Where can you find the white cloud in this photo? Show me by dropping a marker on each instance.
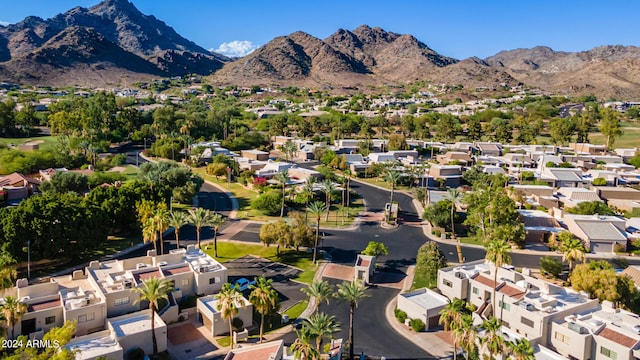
(4, 23)
(236, 48)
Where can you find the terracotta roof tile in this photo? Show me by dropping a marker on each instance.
(617, 337)
(485, 281)
(512, 291)
(43, 305)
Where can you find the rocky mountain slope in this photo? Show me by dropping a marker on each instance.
(607, 71)
(105, 44)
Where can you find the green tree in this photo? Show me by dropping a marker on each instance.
(429, 260)
(153, 290)
(561, 130)
(550, 266)
(320, 291)
(269, 202)
(520, 349)
(264, 298)
(466, 335)
(610, 125)
(229, 299)
(316, 209)
(322, 325)
(149, 233)
(591, 208)
(498, 254)
(452, 317)
(199, 218)
(64, 181)
(12, 310)
(492, 338)
(352, 292)
(571, 248)
(160, 220)
(375, 248)
(282, 178)
(216, 221)
(455, 196)
(276, 232)
(302, 347)
(328, 188)
(599, 279)
(176, 220)
(56, 335)
(392, 178)
(438, 213)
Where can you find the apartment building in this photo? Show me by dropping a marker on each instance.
(550, 316)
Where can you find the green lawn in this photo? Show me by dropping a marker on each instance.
(381, 183)
(47, 142)
(228, 251)
(471, 240)
(131, 172)
(628, 140)
(296, 310)
(423, 280)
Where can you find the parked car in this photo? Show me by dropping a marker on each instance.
(243, 284)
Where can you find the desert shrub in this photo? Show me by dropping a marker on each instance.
(400, 315)
(550, 266)
(268, 202)
(417, 325)
(599, 182)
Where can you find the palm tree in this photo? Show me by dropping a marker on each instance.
(572, 250)
(521, 349)
(308, 193)
(320, 291)
(316, 209)
(302, 348)
(8, 275)
(455, 196)
(264, 298)
(498, 254)
(161, 220)
(199, 218)
(282, 179)
(348, 174)
(351, 292)
(149, 233)
(228, 300)
(12, 310)
(153, 290)
(492, 338)
(465, 335)
(328, 189)
(392, 177)
(216, 221)
(176, 220)
(322, 325)
(451, 318)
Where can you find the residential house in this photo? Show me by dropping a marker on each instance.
(451, 174)
(134, 331)
(586, 148)
(255, 155)
(272, 350)
(17, 187)
(622, 198)
(458, 157)
(539, 226)
(423, 304)
(571, 196)
(381, 157)
(298, 173)
(100, 345)
(633, 272)
(536, 195)
(562, 177)
(274, 167)
(601, 234)
(489, 149)
(209, 314)
(364, 268)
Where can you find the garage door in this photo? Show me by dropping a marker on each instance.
(207, 323)
(433, 322)
(601, 247)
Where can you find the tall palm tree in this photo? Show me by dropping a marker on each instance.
(264, 298)
(498, 254)
(352, 292)
(282, 179)
(320, 291)
(12, 310)
(392, 177)
(348, 174)
(492, 338)
(308, 193)
(322, 325)
(302, 348)
(521, 349)
(177, 219)
(455, 196)
(216, 221)
(149, 233)
(465, 335)
(451, 318)
(199, 218)
(228, 300)
(161, 221)
(572, 250)
(153, 290)
(328, 189)
(316, 209)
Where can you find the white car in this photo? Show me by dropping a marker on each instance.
(243, 284)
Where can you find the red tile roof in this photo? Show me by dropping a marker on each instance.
(512, 291)
(363, 262)
(43, 305)
(261, 353)
(178, 270)
(617, 338)
(486, 281)
(147, 275)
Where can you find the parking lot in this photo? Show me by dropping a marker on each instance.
(250, 267)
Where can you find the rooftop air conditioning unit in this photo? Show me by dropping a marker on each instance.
(128, 284)
(163, 263)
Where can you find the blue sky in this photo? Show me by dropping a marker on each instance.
(458, 29)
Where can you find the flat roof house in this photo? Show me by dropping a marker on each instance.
(211, 317)
(423, 304)
(601, 234)
(134, 330)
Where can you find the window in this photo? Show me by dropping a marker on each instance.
(608, 353)
(505, 306)
(214, 280)
(82, 318)
(526, 321)
(476, 291)
(561, 337)
(50, 320)
(122, 301)
(447, 282)
(184, 282)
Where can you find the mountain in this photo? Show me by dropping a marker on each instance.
(107, 43)
(366, 56)
(608, 71)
